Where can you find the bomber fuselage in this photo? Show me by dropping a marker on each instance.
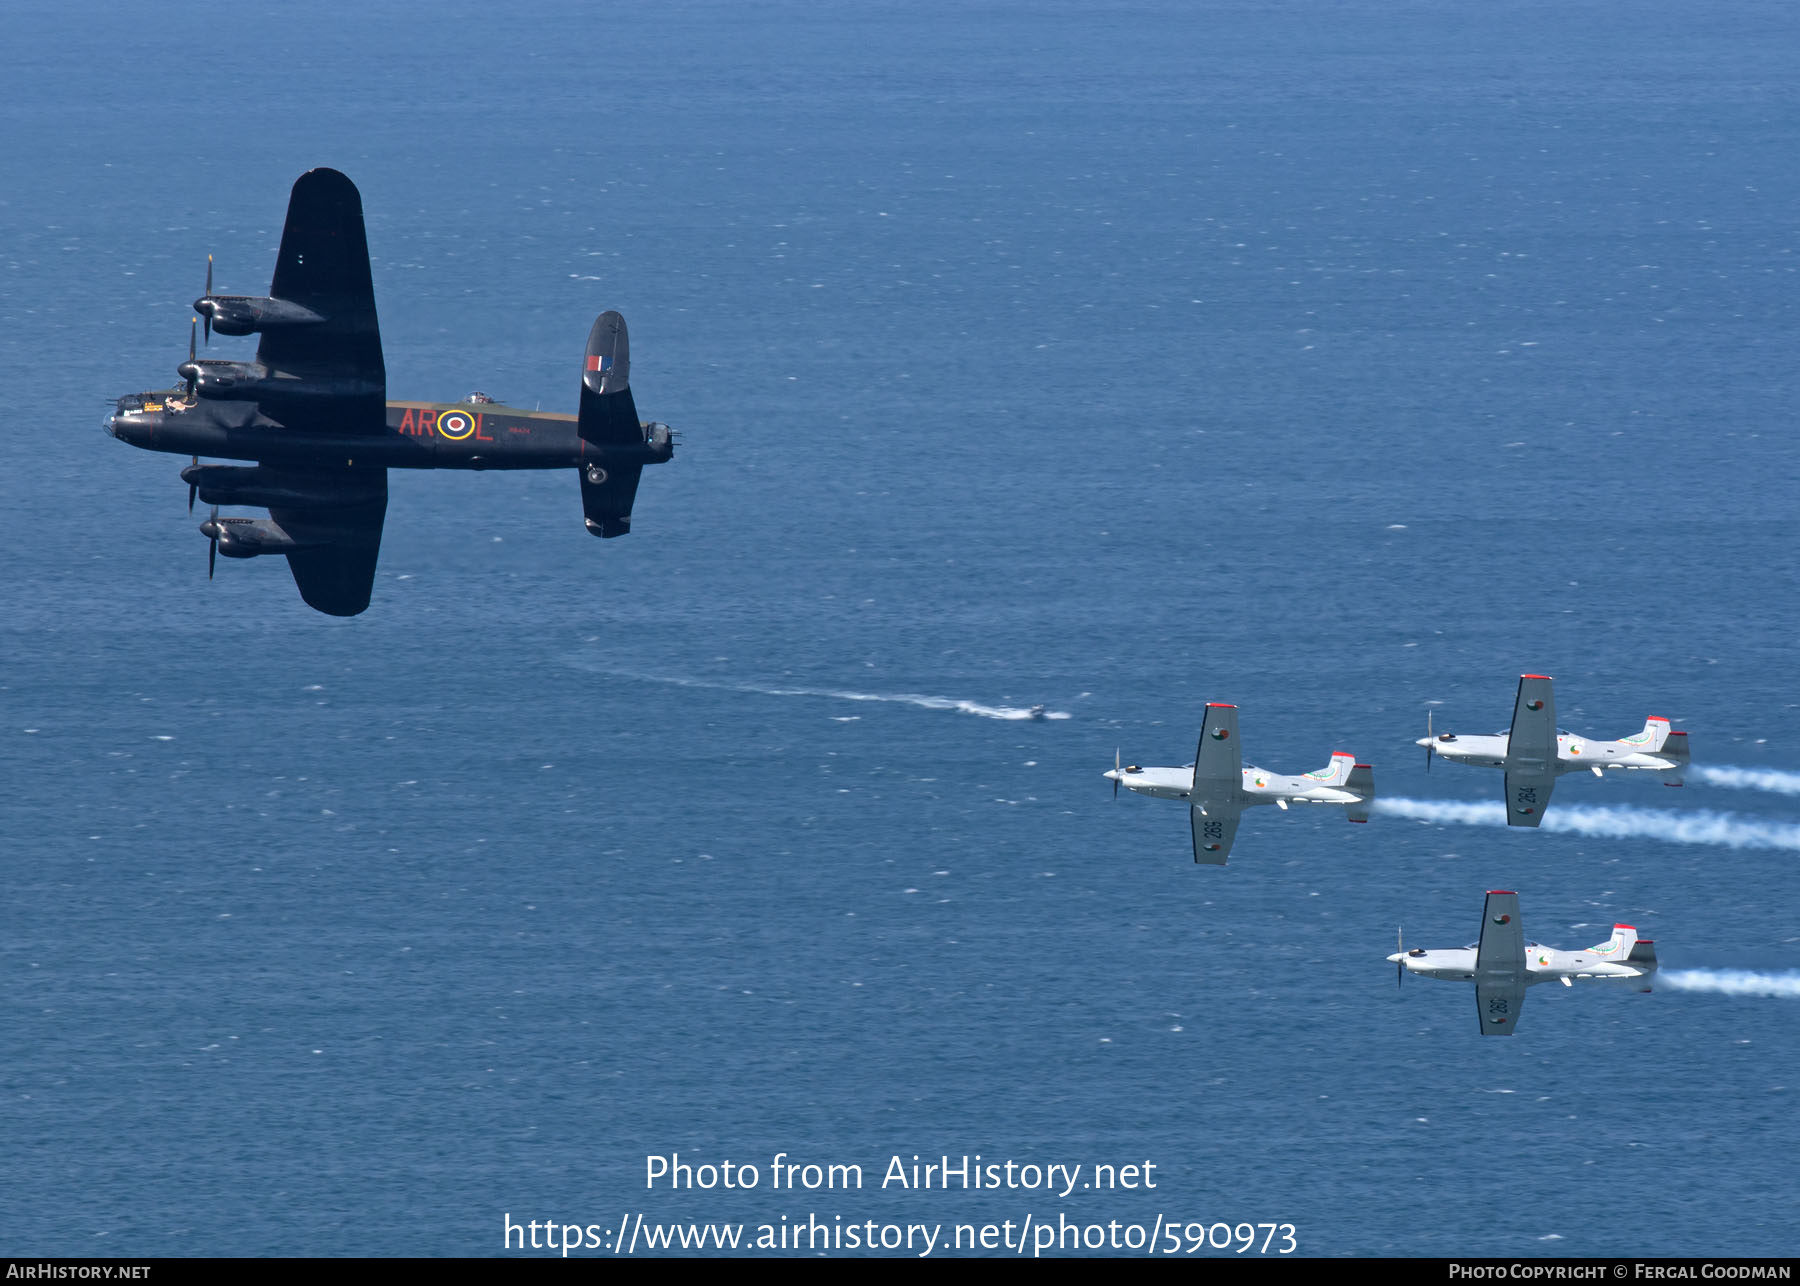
(416, 435)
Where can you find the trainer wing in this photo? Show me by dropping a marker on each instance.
(1214, 830)
(1499, 1007)
(1531, 752)
(1500, 976)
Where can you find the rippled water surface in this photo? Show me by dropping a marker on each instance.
(1341, 363)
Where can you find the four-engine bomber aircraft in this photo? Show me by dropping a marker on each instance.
(312, 413)
(1534, 752)
(1218, 787)
(1502, 965)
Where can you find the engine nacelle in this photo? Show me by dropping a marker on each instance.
(254, 382)
(263, 488)
(247, 314)
(248, 537)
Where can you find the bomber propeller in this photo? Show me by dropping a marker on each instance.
(193, 487)
(190, 369)
(204, 305)
(211, 528)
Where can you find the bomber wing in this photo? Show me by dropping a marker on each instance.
(1531, 752)
(335, 568)
(323, 267)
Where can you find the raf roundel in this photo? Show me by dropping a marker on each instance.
(455, 425)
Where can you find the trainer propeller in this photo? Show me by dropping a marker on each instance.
(1428, 741)
(1115, 772)
(1400, 964)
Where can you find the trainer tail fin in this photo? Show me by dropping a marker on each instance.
(1650, 740)
(1617, 948)
(1337, 772)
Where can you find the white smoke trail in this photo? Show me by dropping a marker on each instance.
(1732, 982)
(1009, 713)
(1726, 830)
(1770, 779)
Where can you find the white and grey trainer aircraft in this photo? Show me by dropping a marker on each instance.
(1502, 965)
(1219, 788)
(1534, 752)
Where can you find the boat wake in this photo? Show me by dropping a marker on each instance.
(1011, 714)
(1726, 830)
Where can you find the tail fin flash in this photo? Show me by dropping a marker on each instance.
(1676, 749)
(1618, 948)
(606, 367)
(1361, 781)
(1650, 740)
(1337, 772)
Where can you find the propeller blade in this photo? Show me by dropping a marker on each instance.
(1400, 964)
(1115, 772)
(1428, 741)
(212, 549)
(193, 372)
(208, 295)
(193, 487)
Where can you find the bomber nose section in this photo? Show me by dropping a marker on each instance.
(130, 423)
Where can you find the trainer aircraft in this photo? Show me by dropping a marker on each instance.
(1502, 964)
(1218, 788)
(311, 414)
(1534, 752)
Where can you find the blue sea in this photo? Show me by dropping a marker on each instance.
(1341, 362)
